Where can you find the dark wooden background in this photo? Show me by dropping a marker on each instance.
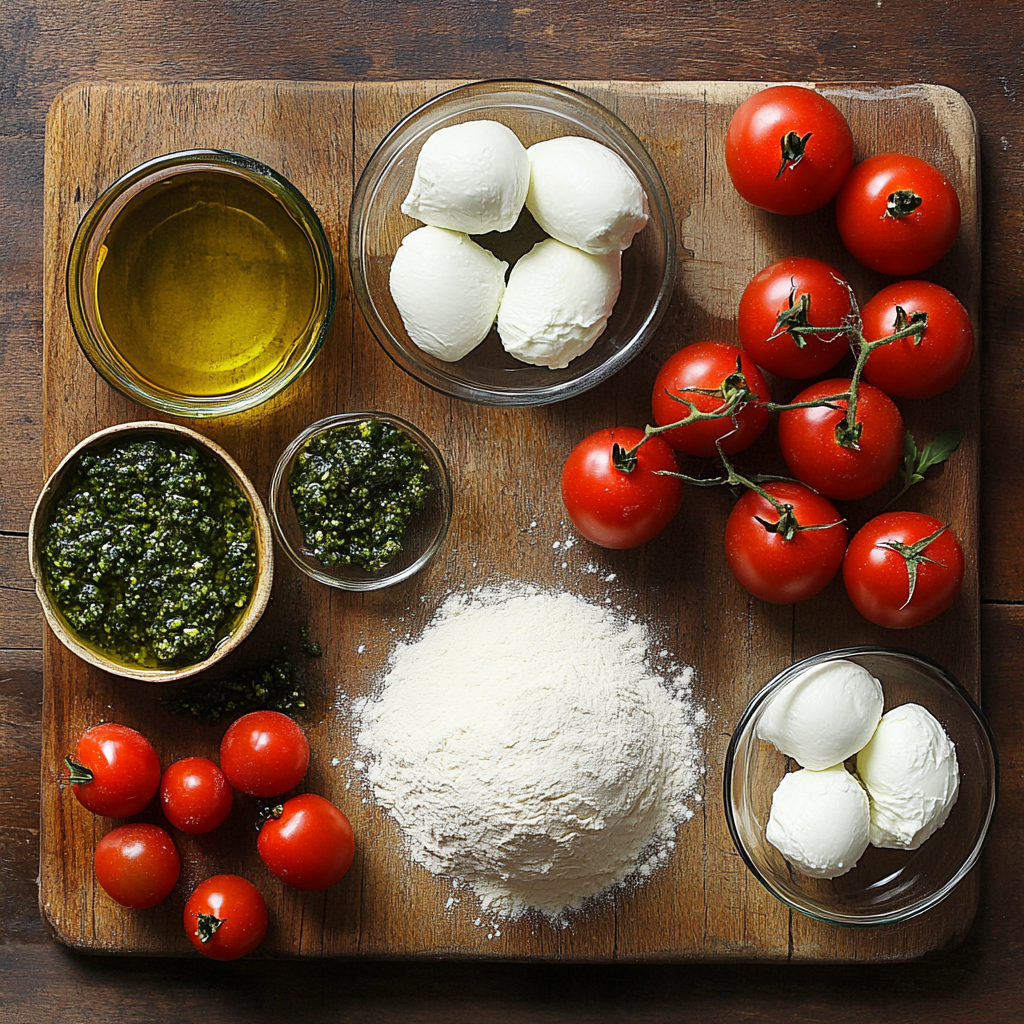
(976, 48)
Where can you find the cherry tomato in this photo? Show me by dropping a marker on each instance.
(225, 917)
(195, 796)
(903, 568)
(307, 842)
(794, 292)
(115, 770)
(710, 366)
(788, 149)
(813, 453)
(897, 214)
(264, 753)
(137, 865)
(772, 560)
(909, 367)
(614, 508)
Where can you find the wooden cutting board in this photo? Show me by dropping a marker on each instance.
(704, 905)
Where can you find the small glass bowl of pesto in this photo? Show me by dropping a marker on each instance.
(151, 552)
(361, 500)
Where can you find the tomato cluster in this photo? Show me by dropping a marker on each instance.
(305, 841)
(789, 151)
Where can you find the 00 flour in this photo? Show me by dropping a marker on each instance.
(526, 749)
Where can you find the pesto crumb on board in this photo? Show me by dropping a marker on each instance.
(149, 551)
(275, 686)
(355, 490)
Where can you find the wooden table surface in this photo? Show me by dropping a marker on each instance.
(977, 49)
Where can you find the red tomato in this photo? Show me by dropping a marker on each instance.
(908, 368)
(264, 753)
(614, 508)
(794, 292)
(896, 576)
(809, 445)
(898, 214)
(137, 865)
(788, 149)
(711, 366)
(115, 770)
(772, 567)
(225, 917)
(195, 796)
(307, 842)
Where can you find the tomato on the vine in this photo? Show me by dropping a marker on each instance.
(918, 366)
(614, 507)
(225, 917)
(788, 149)
(719, 368)
(195, 796)
(114, 770)
(789, 556)
(897, 214)
(810, 445)
(794, 292)
(307, 842)
(903, 568)
(264, 753)
(137, 865)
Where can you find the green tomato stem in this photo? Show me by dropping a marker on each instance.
(735, 393)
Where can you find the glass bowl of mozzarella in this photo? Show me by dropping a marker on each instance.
(860, 785)
(511, 243)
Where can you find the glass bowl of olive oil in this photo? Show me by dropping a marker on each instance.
(361, 500)
(151, 552)
(201, 283)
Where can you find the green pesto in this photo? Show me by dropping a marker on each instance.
(149, 551)
(310, 647)
(275, 686)
(355, 489)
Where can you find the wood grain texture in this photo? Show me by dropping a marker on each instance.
(975, 48)
(973, 983)
(704, 905)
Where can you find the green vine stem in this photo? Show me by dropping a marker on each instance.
(735, 392)
(787, 525)
(207, 925)
(901, 203)
(914, 556)
(76, 774)
(794, 146)
(848, 430)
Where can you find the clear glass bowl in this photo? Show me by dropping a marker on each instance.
(535, 111)
(423, 539)
(886, 886)
(262, 535)
(291, 225)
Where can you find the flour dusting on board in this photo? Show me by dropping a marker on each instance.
(528, 750)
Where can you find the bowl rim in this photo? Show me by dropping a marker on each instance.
(783, 677)
(264, 554)
(132, 183)
(658, 200)
(278, 487)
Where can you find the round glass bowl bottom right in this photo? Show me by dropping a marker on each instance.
(887, 885)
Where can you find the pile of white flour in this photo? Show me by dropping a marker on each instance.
(526, 749)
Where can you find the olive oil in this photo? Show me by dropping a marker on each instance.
(205, 285)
